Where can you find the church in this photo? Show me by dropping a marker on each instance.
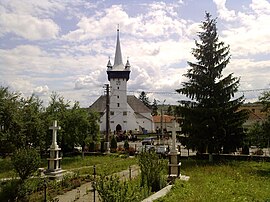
(127, 113)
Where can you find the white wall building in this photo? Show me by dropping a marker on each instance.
(126, 112)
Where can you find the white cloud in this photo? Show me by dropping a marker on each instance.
(247, 32)
(154, 36)
(89, 81)
(41, 90)
(160, 20)
(27, 26)
(224, 13)
(260, 6)
(43, 8)
(98, 25)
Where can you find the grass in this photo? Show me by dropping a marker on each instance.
(107, 164)
(227, 181)
(82, 168)
(104, 164)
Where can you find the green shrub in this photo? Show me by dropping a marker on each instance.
(113, 144)
(92, 147)
(112, 189)
(17, 190)
(126, 145)
(25, 161)
(9, 190)
(152, 171)
(102, 146)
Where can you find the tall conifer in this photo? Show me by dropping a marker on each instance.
(212, 120)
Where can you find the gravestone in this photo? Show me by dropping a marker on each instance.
(54, 169)
(174, 155)
(174, 159)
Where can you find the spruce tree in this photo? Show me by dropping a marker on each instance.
(154, 108)
(143, 97)
(212, 120)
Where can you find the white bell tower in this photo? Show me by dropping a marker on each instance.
(118, 75)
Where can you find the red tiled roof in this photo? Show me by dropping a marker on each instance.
(166, 119)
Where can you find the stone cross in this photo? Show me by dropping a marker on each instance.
(54, 128)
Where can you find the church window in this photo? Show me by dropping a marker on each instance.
(118, 104)
(118, 96)
(112, 113)
(118, 88)
(124, 121)
(112, 121)
(124, 113)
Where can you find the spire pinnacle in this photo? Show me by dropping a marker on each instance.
(109, 65)
(118, 54)
(127, 66)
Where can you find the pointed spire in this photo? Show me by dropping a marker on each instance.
(109, 65)
(118, 54)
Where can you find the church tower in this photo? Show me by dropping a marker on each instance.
(118, 75)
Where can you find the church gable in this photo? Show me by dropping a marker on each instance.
(137, 105)
(99, 105)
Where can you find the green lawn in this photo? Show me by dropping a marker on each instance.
(107, 164)
(230, 181)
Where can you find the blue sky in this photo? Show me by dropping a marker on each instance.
(63, 46)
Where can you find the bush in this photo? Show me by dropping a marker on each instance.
(16, 190)
(152, 171)
(126, 145)
(102, 146)
(25, 161)
(9, 190)
(245, 150)
(112, 189)
(113, 144)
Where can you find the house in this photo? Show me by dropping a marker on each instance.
(256, 115)
(166, 123)
(126, 112)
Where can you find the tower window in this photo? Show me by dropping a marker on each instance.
(118, 104)
(118, 96)
(124, 113)
(118, 88)
(112, 113)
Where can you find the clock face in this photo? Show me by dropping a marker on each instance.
(118, 82)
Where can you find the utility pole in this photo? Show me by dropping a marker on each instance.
(161, 121)
(107, 144)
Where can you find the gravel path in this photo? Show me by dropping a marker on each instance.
(85, 193)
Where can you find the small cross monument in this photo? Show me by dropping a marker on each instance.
(54, 161)
(54, 128)
(174, 164)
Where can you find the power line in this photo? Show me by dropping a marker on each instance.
(174, 93)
